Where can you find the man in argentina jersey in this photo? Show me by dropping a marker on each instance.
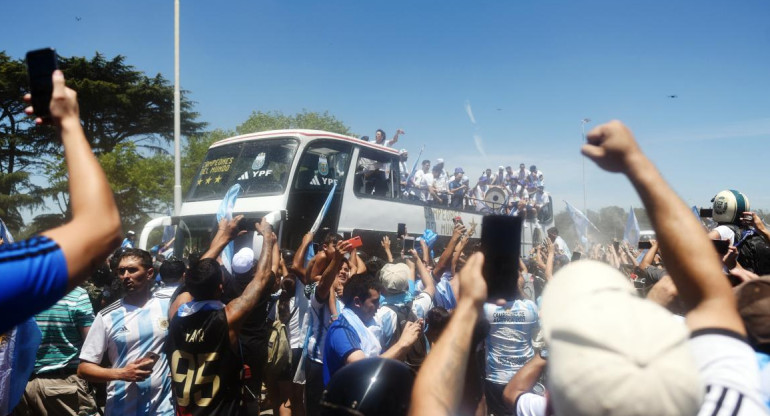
(132, 331)
(509, 346)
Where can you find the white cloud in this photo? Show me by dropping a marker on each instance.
(469, 111)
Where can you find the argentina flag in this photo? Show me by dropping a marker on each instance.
(225, 210)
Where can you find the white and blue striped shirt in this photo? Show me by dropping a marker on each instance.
(127, 333)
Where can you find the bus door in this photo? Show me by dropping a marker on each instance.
(323, 163)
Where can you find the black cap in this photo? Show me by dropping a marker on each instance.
(370, 387)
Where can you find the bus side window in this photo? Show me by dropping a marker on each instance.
(377, 174)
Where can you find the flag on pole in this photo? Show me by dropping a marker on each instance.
(631, 233)
(581, 223)
(5, 235)
(225, 210)
(414, 167)
(322, 214)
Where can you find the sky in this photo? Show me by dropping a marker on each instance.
(479, 83)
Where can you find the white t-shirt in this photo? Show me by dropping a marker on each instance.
(729, 370)
(127, 333)
(530, 404)
(725, 233)
(509, 342)
(563, 246)
(298, 306)
(426, 181)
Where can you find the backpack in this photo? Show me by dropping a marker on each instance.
(278, 349)
(417, 352)
(753, 250)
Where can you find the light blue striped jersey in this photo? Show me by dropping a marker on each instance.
(127, 333)
(509, 342)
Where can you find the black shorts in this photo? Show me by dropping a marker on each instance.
(494, 396)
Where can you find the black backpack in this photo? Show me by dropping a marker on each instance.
(416, 354)
(753, 250)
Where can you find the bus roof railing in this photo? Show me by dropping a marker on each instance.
(303, 133)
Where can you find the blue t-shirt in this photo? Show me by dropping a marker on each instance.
(33, 276)
(341, 341)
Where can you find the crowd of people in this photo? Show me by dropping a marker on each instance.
(505, 191)
(607, 329)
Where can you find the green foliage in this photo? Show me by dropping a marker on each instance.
(275, 120)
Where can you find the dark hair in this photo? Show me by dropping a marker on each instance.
(204, 278)
(384, 136)
(553, 230)
(144, 257)
(425, 161)
(332, 238)
(172, 270)
(374, 264)
(101, 276)
(358, 286)
(437, 319)
(287, 255)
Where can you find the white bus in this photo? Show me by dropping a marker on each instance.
(294, 171)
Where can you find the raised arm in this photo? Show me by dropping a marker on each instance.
(94, 230)
(649, 256)
(239, 307)
(439, 385)
(393, 141)
(227, 231)
(425, 275)
(690, 257)
(298, 265)
(386, 247)
(330, 273)
(446, 256)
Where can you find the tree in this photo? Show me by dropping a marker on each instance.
(274, 120)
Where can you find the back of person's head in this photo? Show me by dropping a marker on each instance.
(358, 286)
(753, 298)
(144, 257)
(204, 279)
(436, 320)
(287, 255)
(374, 264)
(171, 271)
(553, 231)
(369, 387)
(101, 276)
(728, 206)
(394, 278)
(611, 352)
(332, 238)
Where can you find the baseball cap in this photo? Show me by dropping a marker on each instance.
(439, 161)
(500, 167)
(612, 352)
(403, 151)
(459, 170)
(532, 168)
(243, 260)
(394, 278)
(483, 178)
(753, 299)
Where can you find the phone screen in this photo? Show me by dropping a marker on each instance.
(401, 229)
(408, 244)
(501, 245)
(645, 244)
(40, 66)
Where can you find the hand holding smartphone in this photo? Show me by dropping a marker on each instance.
(355, 242)
(501, 245)
(40, 66)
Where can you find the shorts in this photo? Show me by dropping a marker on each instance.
(494, 396)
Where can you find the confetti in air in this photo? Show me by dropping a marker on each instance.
(469, 111)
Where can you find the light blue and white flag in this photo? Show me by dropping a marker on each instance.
(632, 232)
(322, 214)
(4, 233)
(18, 348)
(225, 210)
(581, 223)
(414, 167)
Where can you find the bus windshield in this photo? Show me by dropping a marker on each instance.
(261, 167)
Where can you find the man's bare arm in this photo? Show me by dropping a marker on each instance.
(298, 265)
(95, 373)
(226, 232)
(239, 307)
(94, 230)
(524, 379)
(690, 257)
(330, 273)
(447, 362)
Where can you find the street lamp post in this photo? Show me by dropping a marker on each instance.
(583, 130)
(177, 118)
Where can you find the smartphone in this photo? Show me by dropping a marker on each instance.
(616, 245)
(722, 246)
(355, 242)
(401, 229)
(645, 245)
(501, 245)
(457, 220)
(706, 212)
(408, 244)
(40, 66)
(247, 224)
(576, 255)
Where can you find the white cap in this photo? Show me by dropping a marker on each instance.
(439, 161)
(243, 260)
(394, 278)
(612, 352)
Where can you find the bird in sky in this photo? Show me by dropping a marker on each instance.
(672, 96)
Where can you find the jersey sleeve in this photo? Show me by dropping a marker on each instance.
(421, 305)
(343, 341)
(95, 344)
(33, 276)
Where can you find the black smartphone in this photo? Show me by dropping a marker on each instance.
(401, 231)
(645, 245)
(408, 244)
(501, 245)
(616, 245)
(706, 212)
(40, 66)
(722, 246)
(246, 224)
(576, 255)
